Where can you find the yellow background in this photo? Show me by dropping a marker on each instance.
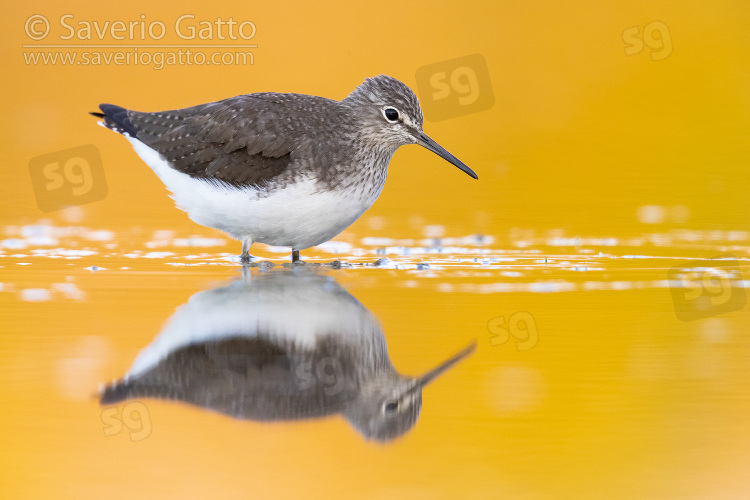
(579, 137)
(619, 400)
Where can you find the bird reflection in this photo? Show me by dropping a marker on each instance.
(281, 345)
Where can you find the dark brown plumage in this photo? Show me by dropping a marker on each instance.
(329, 359)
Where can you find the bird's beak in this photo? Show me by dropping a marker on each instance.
(439, 150)
(444, 366)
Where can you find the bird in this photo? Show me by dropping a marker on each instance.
(288, 170)
(284, 345)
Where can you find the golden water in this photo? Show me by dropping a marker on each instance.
(600, 390)
(601, 261)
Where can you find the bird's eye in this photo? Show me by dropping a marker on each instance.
(391, 114)
(391, 406)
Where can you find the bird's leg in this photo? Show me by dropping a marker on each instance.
(245, 257)
(295, 256)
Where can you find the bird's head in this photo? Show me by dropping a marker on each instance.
(389, 404)
(389, 116)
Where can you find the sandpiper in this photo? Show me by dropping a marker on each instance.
(282, 169)
(280, 346)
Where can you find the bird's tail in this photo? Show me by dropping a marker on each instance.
(116, 118)
(114, 393)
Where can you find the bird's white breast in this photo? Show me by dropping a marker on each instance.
(299, 310)
(299, 215)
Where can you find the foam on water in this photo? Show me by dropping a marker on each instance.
(550, 262)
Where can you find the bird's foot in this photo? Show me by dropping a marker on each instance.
(245, 257)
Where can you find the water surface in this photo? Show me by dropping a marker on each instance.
(605, 367)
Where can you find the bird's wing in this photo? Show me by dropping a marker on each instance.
(223, 368)
(243, 377)
(243, 141)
